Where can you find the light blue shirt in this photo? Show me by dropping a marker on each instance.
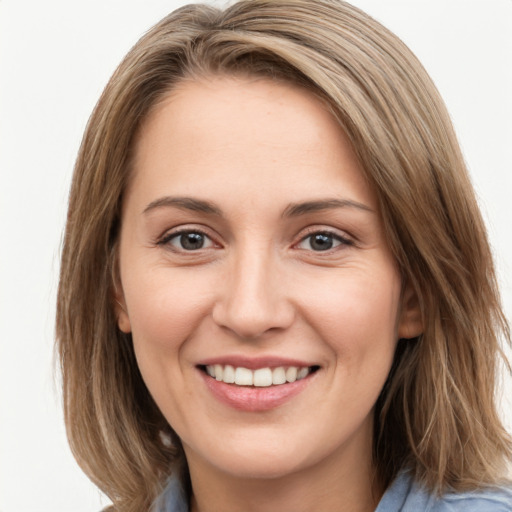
(404, 495)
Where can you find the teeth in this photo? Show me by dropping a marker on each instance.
(229, 374)
(219, 371)
(291, 374)
(243, 377)
(262, 377)
(303, 372)
(278, 376)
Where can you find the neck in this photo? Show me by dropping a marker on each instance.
(345, 482)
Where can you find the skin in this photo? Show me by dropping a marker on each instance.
(258, 287)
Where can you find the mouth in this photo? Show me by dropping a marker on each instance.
(263, 377)
(257, 384)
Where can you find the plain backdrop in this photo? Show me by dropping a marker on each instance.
(55, 58)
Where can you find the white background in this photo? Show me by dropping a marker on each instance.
(55, 58)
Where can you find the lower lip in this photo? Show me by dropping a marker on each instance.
(255, 399)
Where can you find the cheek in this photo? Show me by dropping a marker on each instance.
(363, 336)
(356, 314)
(357, 303)
(165, 308)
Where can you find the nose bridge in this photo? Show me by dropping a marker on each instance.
(253, 298)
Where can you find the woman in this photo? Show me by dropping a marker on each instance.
(276, 288)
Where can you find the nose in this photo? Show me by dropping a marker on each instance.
(253, 300)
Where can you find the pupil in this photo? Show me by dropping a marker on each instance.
(321, 242)
(191, 241)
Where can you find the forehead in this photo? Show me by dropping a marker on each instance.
(223, 109)
(248, 132)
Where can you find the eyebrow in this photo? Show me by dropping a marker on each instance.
(184, 203)
(297, 209)
(292, 210)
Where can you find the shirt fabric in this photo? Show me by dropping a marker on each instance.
(404, 495)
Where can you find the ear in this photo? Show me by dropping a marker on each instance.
(410, 323)
(123, 320)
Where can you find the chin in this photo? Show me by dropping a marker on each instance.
(267, 459)
(262, 468)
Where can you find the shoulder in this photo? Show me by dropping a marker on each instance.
(172, 499)
(492, 500)
(405, 495)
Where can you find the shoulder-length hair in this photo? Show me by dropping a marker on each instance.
(437, 412)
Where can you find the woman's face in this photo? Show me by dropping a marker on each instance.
(252, 246)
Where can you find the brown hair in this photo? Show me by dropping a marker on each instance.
(437, 412)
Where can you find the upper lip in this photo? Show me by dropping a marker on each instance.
(253, 363)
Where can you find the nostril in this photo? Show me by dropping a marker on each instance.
(251, 306)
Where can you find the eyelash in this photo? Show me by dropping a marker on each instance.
(167, 238)
(333, 236)
(336, 237)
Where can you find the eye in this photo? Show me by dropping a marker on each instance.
(322, 241)
(187, 240)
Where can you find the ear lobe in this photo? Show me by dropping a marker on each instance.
(123, 320)
(410, 323)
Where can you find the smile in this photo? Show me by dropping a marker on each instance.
(256, 384)
(260, 377)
